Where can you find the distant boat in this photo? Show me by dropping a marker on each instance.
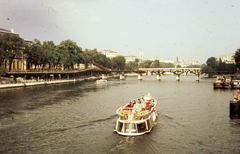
(235, 84)
(101, 81)
(227, 83)
(218, 83)
(137, 118)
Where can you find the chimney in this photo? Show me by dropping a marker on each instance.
(12, 30)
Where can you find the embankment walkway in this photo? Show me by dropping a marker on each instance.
(15, 85)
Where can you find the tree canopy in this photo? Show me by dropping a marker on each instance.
(132, 65)
(97, 57)
(217, 67)
(237, 58)
(68, 53)
(11, 47)
(118, 62)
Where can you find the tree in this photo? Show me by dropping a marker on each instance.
(3, 52)
(132, 64)
(118, 62)
(237, 58)
(193, 66)
(212, 62)
(97, 57)
(74, 53)
(166, 65)
(226, 68)
(62, 56)
(35, 54)
(207, 70)
(155, 64)
(179, 66)
(2, 71)
(146, 64)
(49, 52)
(12, 47)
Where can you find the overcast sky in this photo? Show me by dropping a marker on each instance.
(165, 29)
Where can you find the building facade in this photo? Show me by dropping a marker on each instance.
(130, 58)
(228, 59)
(109, 53)
(18, 64)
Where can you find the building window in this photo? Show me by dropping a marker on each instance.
(18, 65)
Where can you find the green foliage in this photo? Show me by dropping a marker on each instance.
(97, 57)
(237, 58)
(226, 68)
(132, 65)
(166, 65)
(2, 71)
(155, 64)
(214, 67)
(212, 62)
(49, 52)
(11, 47)
(179, 66)
(73, 51)
(3, 52)
(208, 70)
(62, 55)
(118, 62)
(146, 64)
(193, 66)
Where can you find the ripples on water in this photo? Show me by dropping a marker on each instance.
(80, 117)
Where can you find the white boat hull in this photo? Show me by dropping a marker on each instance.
(134, 123)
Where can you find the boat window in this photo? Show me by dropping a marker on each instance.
(119, 126)
(130, 128)
(141, 127)
(149, 123)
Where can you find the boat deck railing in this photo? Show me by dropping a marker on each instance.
(126, 113)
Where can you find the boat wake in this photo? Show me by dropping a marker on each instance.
(165, 119)
(90, 123)
(164, 115)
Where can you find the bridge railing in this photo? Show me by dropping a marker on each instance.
(172, 69)
(46, 71)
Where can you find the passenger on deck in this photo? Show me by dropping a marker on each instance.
(137, 107)
(143, 103)
(130, 103)
(139, 101)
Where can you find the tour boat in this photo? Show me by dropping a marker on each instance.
(101, 81)
(137, 117)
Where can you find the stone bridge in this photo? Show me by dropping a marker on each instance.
(161, 71)
(72, 74)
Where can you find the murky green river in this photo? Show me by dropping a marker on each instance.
(80, 117)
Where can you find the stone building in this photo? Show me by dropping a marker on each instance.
(109, 53)
(18, 64)
(228, 59)
(130, 58)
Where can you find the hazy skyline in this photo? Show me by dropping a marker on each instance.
(166, 29)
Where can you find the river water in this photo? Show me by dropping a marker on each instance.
(80, 117)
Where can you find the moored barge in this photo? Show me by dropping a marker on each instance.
(218, 84)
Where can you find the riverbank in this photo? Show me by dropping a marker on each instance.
(2, 86)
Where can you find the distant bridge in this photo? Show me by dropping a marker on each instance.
(80, 73)
(173, 70)
(160, 71)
